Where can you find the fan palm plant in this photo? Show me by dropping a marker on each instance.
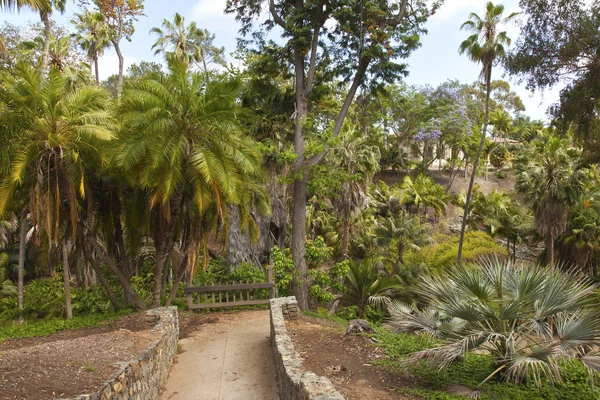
(484, 46)
(181, 143)
(527, 317)
(552, 184)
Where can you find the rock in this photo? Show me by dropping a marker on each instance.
(359, 326)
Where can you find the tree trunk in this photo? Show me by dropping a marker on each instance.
(475, 163)
(66, 272)
(45, 17)
(21, 265)
(94, 263)
(550, 250)
(178, 277)
(240, 248)
(400, 248)
(345, 234)
(300, 286)
(117, 47)
(96, 70)
(137, 301)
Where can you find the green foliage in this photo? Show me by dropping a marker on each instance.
(44, 298)
(499, 156)
(547, 318)
(472, 369)
(329, 281)
(317, 252)
(438, 256)
(283, 271)
(52, 325)
(365, 286)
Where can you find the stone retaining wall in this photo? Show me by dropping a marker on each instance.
(143, 378)
(294, 382)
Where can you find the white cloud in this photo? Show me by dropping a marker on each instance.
(108, 64)
(205, 9)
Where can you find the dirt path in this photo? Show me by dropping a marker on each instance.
(227, 360)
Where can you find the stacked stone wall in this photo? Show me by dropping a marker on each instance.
(143, 378)
(294, 382)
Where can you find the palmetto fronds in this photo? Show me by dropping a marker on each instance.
(365, 286)
(527, 317)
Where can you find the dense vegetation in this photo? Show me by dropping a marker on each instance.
(116, 194)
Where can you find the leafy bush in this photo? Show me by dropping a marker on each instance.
(283, 271)
(499, 156)
(477, 244)
(317, 252)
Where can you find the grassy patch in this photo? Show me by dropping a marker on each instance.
(322, 313)
(473, 369)
(45, 327)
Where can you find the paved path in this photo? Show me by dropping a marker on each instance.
(228, 360)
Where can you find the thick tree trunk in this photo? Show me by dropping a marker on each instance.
(94, 263)
(240, 248)
(475, 163)
(117, 47)
(45, 17)
(300, 285)
(21, 265)
(66, 273)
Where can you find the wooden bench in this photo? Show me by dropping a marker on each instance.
(230, 294)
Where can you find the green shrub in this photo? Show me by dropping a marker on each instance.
(443, 254)
(283, 271)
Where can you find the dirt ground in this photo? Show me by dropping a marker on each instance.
(346, 360)
(76, 361)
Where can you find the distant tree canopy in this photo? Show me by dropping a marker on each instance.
(559, 41)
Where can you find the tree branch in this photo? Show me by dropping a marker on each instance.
(276, 16)
(313, 59)
(363, 64)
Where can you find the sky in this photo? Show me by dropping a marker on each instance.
(435, 62)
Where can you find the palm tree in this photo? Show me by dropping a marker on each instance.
(189, 43)
(527, 317)
(45, 8)
(484, 46)
(406, 231)
(61, 129)
(92, 35)
(365, 287)
(358, 161)
(552, 185)
(182, 144)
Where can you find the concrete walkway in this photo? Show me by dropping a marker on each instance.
(228, 360)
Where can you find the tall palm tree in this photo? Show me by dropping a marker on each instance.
(484, 46)
(406, 231)
(358, 161)
(45, 8)
(182, 141)
(61, 129)
(552, 184)
(188, 43)
(92, 35)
